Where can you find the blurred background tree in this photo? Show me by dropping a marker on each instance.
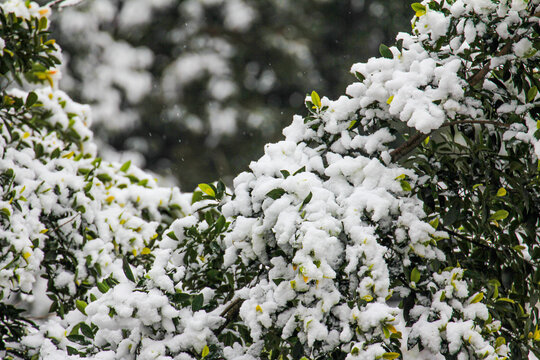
(193, 89)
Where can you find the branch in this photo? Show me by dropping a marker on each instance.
(408, 146)
(484, 122)
(419, 137)
(230, 313)
(66, 222)
(479, 76)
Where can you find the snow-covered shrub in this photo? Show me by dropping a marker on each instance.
(398, 221)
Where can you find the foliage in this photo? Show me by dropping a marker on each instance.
(398, 221)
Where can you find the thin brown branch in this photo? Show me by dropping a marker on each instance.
(408, 146)
(419, 137)
(66, 222)
(483, 122)
(479, 76)
(230, 313)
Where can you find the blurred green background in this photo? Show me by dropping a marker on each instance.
(193, 89)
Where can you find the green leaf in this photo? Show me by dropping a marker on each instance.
(104, 178)
(415, 275)
(418, 7)
(477, 298)
(531, 94)
(127, 270)
(102, 287)
(405, 185)
(399, 45)
(385, 52)
(306, 200)
(86, 331)
(301, 170)
(500, 341)
(499, 215)
(207, 189)
(501, 192)
(285, 173)
(315, 99)
(205, 351)
(506, 300)
(390, 355)
(197, 303)
(386, 332)
(125, 166)
(276, 193)
(197, 196)
(42, 23)
(360, 76)
(434, 223)
(81, 306)
(31, 99)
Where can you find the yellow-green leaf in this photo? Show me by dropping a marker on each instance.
(405, 185)
(81, 306)
(390, 355)
(315, 99)
(145, 251)
(500, 341)
(207, 190)
(531, 94)
(501, 192)
(415, 275)
(367, 298)
(419, 9)
(205, 351)
(506, 300)
(125, 166)
(499, 215)
(477, 298)
(389, 101)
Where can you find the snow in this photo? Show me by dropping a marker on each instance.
(323, 217)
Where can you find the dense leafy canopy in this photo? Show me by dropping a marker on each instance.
(398, 221)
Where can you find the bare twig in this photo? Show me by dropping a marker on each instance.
(67, 222)
(230, 313)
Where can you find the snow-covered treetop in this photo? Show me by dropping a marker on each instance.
(346, 240)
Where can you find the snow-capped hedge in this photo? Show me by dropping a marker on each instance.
(350, 239)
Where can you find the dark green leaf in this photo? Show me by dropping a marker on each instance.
(31, 99)
(276, 193)
(127, 270)
(385, 52)
(197, 302)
